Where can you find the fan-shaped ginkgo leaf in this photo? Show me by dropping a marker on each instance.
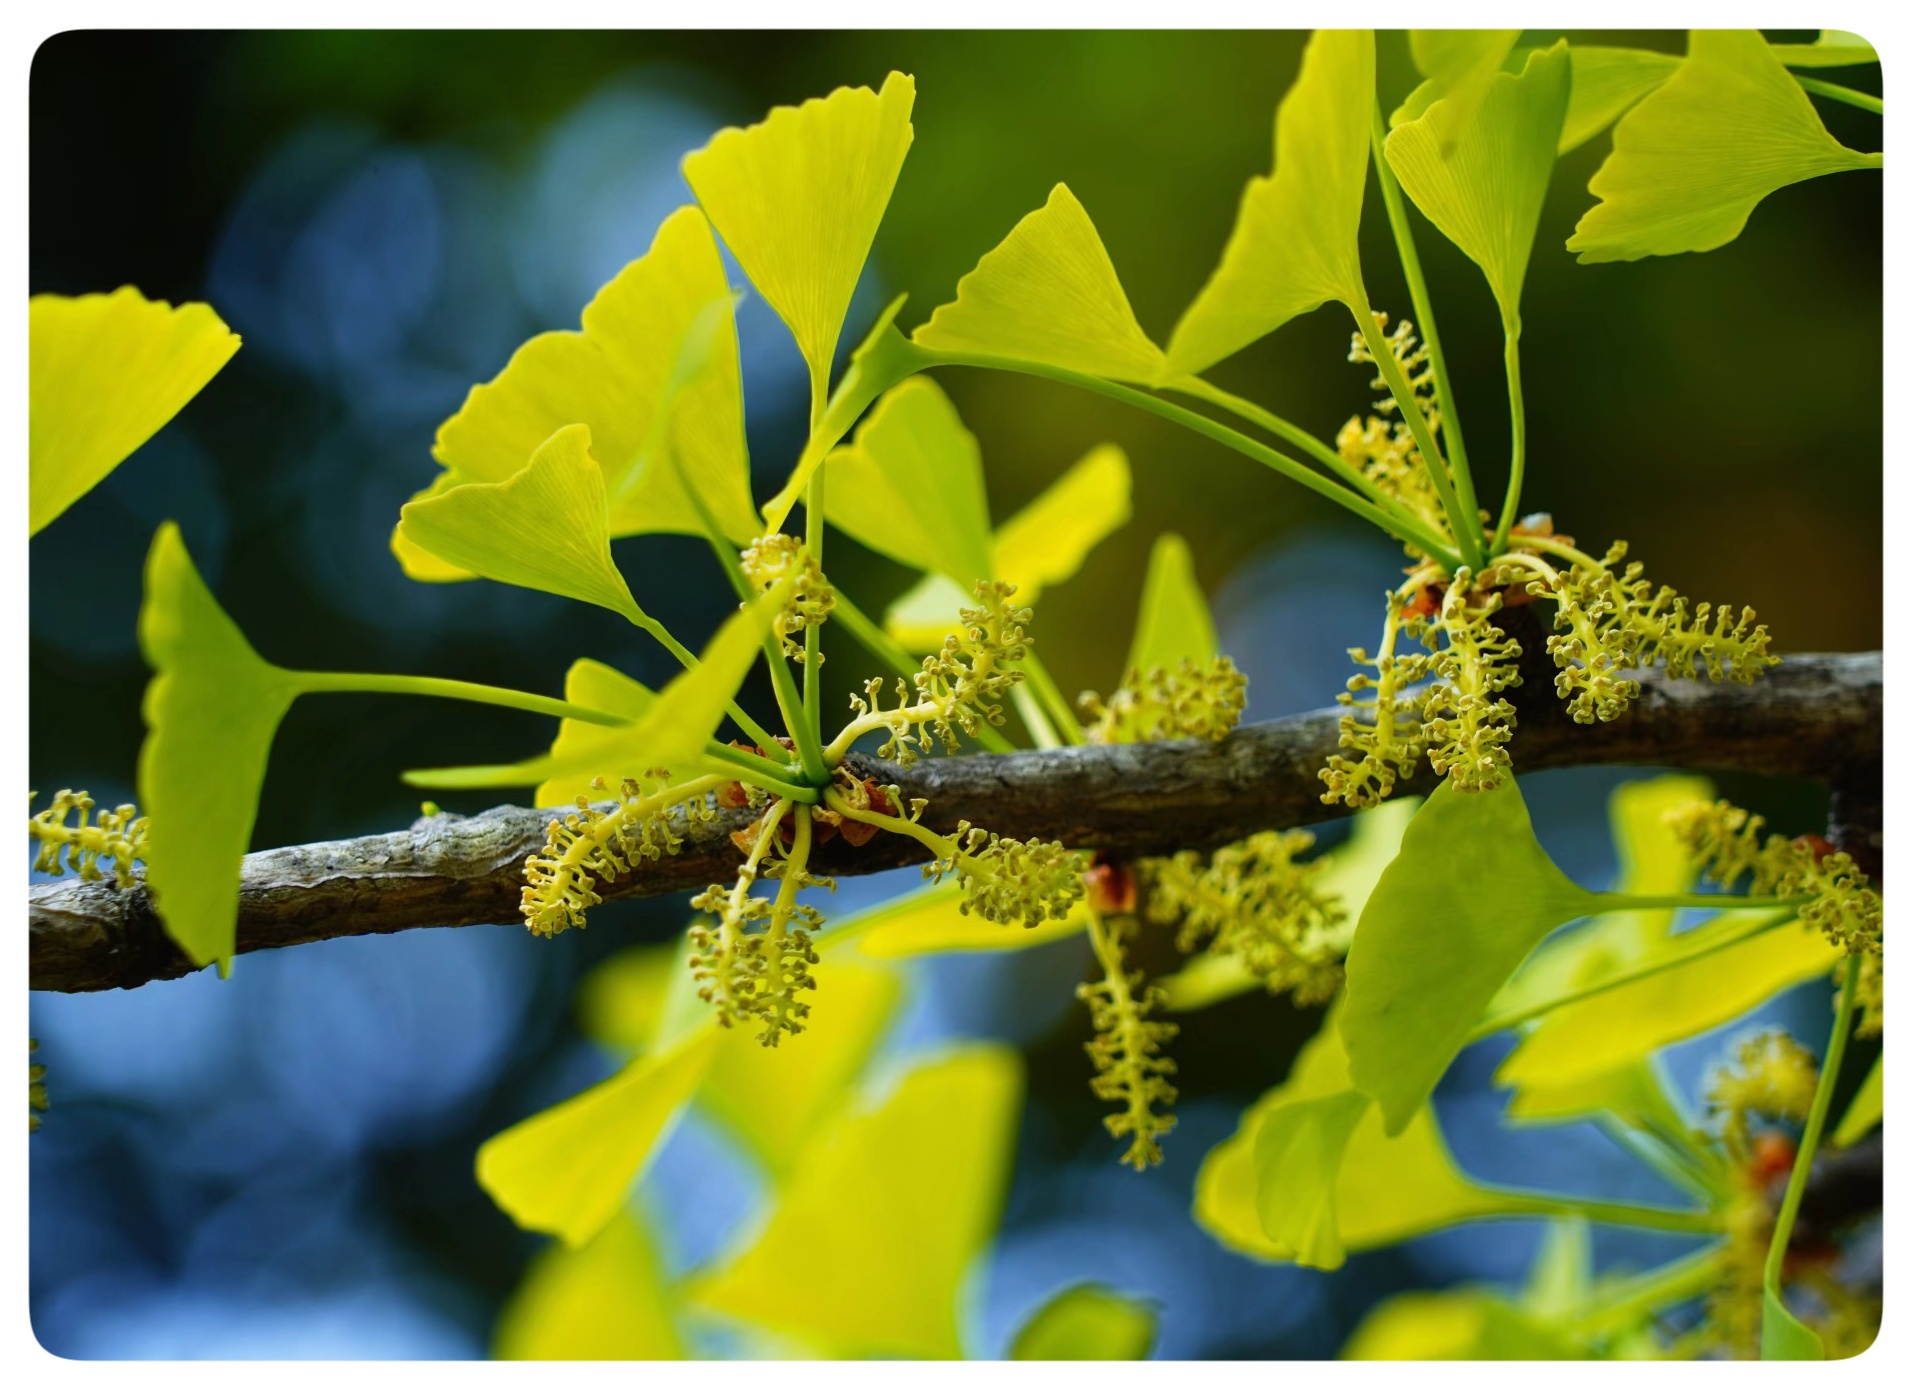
(798, 198)
(1298, 1154)
(616, 377)
(566, 1170)
(1458, 65)
(1693, 159)
(547, 527)
(1866, 1109)
(1479, 173)
(1294, 246)
(1834, 48)
(1386, 1189)
(211, 711)
(773, 1099)
(1087, 1322)
(881, 1274)
(1048, 293)
(1434, 946)
(1173, 623)
(910, 485)
(607, 1300)
(1607, 83)
(1043, 544)
(104, 373)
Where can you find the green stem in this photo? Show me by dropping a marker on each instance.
(760, 771)
(317, 682)
(1513, 1018)
(809, 735)
(1718, 902)
(1423, 312)
(1646, 1218)
(1265, 419)
(688, 660)
(1517, 468)
(1050, 694)
(1815, 1125)
(896, 825)
(1041, 731)
(1684, 1278)
(1465, 525)
(1552, 545)
(1668, 1163)
(1398, 526)
(1850, 97)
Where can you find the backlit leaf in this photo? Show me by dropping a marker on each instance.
(1087, 1322)
(1607, 83)
(1455, 1325)
(1298, 1153)
(1834, 48)
(1045, 543)
(773, 1098)
(931, 921)
(621, 1002)
(1866, 1109)
(615, 376)
(1633, 1020)
(1480, 172)
(881, 1274)
(211, 711)
(1294, 246)
(547, 527)
(1471, 893)
(104, 373)
(1459, 65)
(1388, 1190)
(910, 485)
(566, 1170)
(1173, 623)
(798, 198)
(1693, 159)
(580, 752)
(1049, 294)
(607, 1300)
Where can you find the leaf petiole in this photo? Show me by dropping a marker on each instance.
(316, 682)
(1833, 91)
(1049, 694)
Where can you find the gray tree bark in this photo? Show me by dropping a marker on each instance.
(1813, 716)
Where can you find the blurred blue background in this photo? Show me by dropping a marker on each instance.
(280, 1165)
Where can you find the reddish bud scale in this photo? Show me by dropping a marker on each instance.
(1111, 888)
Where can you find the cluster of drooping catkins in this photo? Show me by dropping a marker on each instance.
(592, 846)
(117, 836)
(1126, 1050)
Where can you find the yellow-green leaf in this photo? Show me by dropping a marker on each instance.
(1458, 64)
(1783, 1337)
(880, 1272)
(1866, 1109)
(932, 920)
(607, 1300)
(547, 527)
(773, 1098)
(1173, 623)
(1388, 1189)
(1479, 170)
(566, 1170)
(798, 198)
(211, 710)
(104, 373)
(1048, 294)
(581, 751)
(616, 376)
(1047, 541)
(1607, 83)
(1471, 893)
(1298, 1154)
(1693, 159)
(1631, 1021)
(1087, 1322)
(621, 1002)
(1834, 48)
(1294, 246)
(1043, 544)
(910, 485)
(1455, 1325)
